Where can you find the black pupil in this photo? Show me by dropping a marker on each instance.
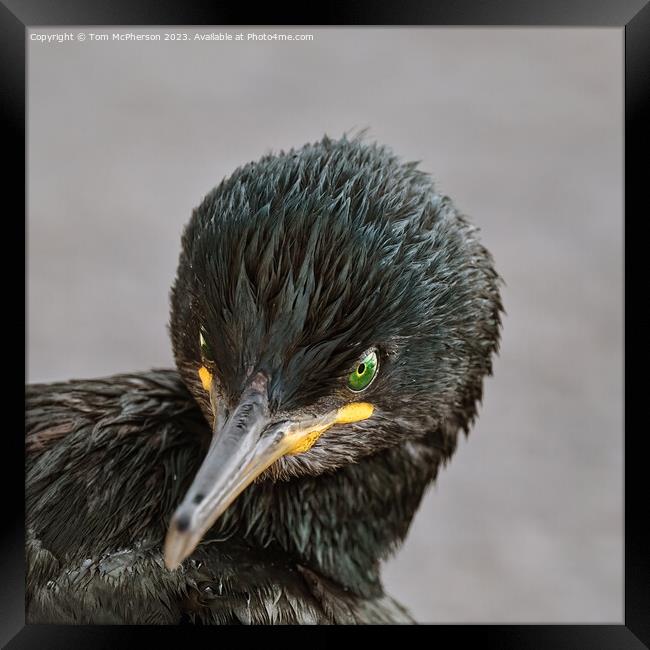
(361, 369)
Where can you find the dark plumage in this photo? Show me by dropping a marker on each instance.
(291, 271)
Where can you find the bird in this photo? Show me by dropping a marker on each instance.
(332, 320)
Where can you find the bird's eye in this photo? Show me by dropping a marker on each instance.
(206, 352)
(361, 377)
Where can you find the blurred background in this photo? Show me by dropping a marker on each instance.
(521, 127)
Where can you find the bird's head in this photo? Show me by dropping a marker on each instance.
(329, 304)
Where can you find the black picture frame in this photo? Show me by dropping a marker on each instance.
(633, 16)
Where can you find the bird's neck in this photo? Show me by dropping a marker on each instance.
(340, 524)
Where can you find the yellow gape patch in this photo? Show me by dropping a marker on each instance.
(206, 378)
(354, 413)
(305, 439)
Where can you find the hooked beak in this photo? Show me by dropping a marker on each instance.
(242, 447)
(240, 450)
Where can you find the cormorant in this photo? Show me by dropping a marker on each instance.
(332, 320)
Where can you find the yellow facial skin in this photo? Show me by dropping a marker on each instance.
(301, 439)
(354, 413)
(206, 378)
(305, 438)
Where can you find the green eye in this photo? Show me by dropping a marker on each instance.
(361, 377)
(206, 352)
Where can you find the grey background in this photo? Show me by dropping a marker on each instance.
(522, 127)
